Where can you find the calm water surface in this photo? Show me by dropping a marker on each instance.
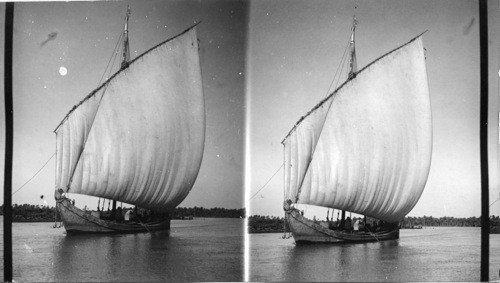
(208, 249)
(429, 254)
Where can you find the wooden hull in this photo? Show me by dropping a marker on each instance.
(78, 221)
(307, 231)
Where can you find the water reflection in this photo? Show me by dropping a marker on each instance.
(100, 257)
(184, 255)
(346, 262)
(433, 254)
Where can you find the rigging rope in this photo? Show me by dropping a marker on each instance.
(35, 174)
(341, 64)
(494, 201)
(111, 59)
(268, 181)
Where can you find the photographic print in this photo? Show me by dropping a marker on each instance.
(128, 140)
(365, 141)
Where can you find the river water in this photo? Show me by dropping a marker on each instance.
(429, 254)
(209, 249)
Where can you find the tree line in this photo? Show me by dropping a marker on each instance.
(216, 212)
(448, 221)
(266, 224)
(39, 213)
(31, 213)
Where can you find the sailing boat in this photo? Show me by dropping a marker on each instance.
(366, 149)
(138, 138)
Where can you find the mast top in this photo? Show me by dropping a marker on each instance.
(353, 66)
(126, 51)
(127, 16)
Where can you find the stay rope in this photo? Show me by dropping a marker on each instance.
(267, 181)
(35, 174)
(494, 201)
(341, 67)
(112, 59)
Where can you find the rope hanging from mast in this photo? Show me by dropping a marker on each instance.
(43, 166)
(267, 182)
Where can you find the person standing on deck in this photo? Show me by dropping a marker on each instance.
(127, 215)
(356, 225)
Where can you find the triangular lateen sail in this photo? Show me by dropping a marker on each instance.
(146, 142)
(372, 153)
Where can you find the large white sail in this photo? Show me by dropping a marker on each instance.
(139, 138)
(367, 147)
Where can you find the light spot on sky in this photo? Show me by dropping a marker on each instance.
(63, 71)
(218, 156)
(499, 73)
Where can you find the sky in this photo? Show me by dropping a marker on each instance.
(61, 51)
(294, 49)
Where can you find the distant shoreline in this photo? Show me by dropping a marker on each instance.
(265, 224)
(28, 213)
(50, 221)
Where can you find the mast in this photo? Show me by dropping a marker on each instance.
(126, 50)
(353, 69)
(125, 60)
(353, 66)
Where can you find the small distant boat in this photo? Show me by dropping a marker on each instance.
(366, 148)
(137, 139)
